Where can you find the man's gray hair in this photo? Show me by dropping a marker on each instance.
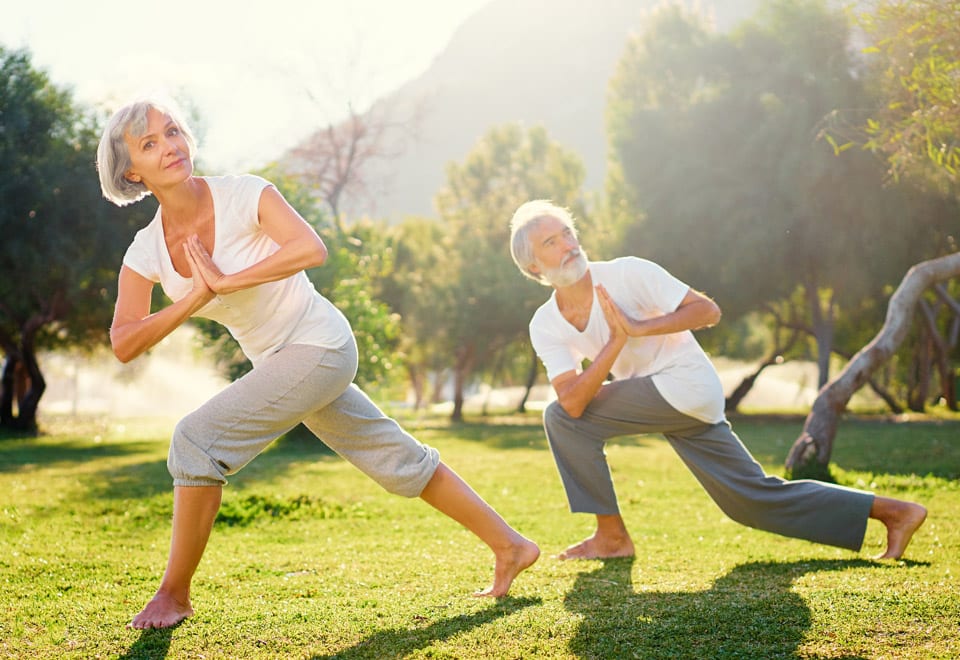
(113, 157)
(524, 220)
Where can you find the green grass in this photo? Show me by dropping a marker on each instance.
(310, 559)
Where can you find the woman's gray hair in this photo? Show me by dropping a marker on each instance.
(113, 157)
(524, 220)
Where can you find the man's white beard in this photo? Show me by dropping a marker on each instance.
(569, 272)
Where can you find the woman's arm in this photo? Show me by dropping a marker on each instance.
(134, 329)
(300, 248)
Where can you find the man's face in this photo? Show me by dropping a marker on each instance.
(557, 254)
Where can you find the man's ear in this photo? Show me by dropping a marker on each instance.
(532, 268)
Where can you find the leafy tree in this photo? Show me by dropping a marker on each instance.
(916, 47)
(915, 52)
(716, 137)
(492, 302)
(62, 243)
(420, 289)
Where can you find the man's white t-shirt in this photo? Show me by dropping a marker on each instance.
(681, 371)
(263, 318)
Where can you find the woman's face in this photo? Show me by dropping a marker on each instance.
(161, 156)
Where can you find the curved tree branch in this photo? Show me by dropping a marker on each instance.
(815, 444)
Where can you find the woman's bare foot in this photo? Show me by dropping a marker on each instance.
(510, 563)
(901, 519)
(600, 547)
(163, 611)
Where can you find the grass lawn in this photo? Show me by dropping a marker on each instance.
(310, 559)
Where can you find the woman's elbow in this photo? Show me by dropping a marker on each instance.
(318, 255)
(122, 355)
(120, 350)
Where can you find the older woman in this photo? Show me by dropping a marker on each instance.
(231, 249)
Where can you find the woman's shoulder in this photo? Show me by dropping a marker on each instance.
(235, 181)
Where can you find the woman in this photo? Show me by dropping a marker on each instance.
(233, 250)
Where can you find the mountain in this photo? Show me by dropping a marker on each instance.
(528, 61)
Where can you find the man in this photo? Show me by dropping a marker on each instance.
(632, 319)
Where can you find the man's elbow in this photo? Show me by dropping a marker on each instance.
(715, 314)
(573, 409)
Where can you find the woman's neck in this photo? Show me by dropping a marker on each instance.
(183, 204)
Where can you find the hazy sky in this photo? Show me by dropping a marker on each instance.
(259, 75)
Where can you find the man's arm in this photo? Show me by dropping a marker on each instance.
(695, 311)
(576, 391)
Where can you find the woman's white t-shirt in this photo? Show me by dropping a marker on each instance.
(681, 371)
(263, 318)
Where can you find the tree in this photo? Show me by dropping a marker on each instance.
(420, 290)
(716, 136)
(916, 46)
(62, 242)
(810, 454)
(336, 161)
(492, 302)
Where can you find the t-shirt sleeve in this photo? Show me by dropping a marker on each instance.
(652, 286)
(556, 355)
(141, 256)
(247, 191)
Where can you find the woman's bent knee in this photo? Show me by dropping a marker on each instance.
(188, 463)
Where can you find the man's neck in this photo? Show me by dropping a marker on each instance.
(578, 295)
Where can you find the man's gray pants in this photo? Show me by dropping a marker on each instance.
(804, 509)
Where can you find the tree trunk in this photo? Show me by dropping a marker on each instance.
(460, 375)
(415, 374)
(811, 451)
(7, 389)
(941, 351)
(28, 405)
(736, 397)
(733, 401)
(531, 380)
(823, 314)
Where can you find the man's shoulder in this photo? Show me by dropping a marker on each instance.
(545, 314)
(621, 265)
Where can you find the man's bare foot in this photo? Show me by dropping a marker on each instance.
(600, 547)
(510, 562)
(163, 611)
(902, 519)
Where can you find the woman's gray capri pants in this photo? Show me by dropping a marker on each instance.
(805, 509)
(298, 383)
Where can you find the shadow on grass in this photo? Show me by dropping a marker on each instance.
(402, 642)
(150, 478)
(25, 453)
(151, 645)
(750, 612)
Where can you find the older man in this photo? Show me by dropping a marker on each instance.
(631, 318)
